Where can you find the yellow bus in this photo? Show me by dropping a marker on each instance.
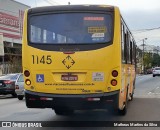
(77, 57)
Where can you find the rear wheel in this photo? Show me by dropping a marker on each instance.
(63, 111)
(20, 97)
(131, 97)
(153, 75)
(124, 110)
(131, 94)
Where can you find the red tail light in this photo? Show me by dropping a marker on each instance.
(16, 87)
(26, 73)
(114, 73)
(8, 82)
(69, 52)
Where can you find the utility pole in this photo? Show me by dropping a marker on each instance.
(143, 57)
(143, 66)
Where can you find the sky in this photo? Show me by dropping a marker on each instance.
(138, 14)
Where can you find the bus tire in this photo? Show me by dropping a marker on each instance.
(131, 94)
(63, 111)
(131, 97)
(124, 110)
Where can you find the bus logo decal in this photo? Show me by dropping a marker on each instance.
(40, 78)
(68, 62)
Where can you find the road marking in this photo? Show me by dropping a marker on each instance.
(150, 93)
(157, 88)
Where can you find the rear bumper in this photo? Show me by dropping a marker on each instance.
(6, 91)
(156, 74)
(19, 92)
(81, 101)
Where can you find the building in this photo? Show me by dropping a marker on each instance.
(11, 25)
(150, 49)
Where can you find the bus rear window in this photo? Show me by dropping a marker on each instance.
(70, 28)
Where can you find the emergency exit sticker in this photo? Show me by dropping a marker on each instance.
(98, 76)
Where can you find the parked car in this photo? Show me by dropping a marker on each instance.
(149, 71)
(19, 86)
(7, 84)
(156, 71)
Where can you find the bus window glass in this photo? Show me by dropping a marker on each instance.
(122, 43)
(129, 48)
(71, 28)
(134, 53)
(125, 48)
(131, 51)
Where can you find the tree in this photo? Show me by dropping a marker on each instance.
(147, 60)
(156, 60)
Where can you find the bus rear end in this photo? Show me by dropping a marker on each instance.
(71, 59)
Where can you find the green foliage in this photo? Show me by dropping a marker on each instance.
(156, 60)
(151, 60)
(148, 60)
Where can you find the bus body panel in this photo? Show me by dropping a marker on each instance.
(93, 69)
(86, 66)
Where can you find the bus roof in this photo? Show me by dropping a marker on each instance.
(71, 8)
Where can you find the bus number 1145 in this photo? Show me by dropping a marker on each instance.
(41, 59)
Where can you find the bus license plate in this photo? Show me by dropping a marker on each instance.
(69, 77)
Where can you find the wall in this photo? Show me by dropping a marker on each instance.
(11, 20)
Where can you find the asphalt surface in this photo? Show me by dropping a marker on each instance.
(147, 86)
(144, 107)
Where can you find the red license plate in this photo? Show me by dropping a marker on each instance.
(69, 77)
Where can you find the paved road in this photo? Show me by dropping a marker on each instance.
(147, 87)
(144, 107)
